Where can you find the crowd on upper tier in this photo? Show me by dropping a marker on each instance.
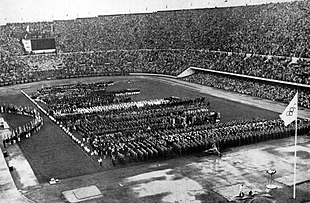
(264, 90)
(270, 29)
(168, 62)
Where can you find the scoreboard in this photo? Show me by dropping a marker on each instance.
(40, 45)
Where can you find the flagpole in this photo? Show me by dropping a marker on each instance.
(295, 159)
(295, 153)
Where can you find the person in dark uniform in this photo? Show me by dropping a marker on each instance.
(4, 142)
(113, 160)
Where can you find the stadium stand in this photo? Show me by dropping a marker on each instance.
(169, 62)
(167, 43)
(269, 29)
(270, 91)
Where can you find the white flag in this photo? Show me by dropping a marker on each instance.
(290, 113)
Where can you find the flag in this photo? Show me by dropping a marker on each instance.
(290, 113)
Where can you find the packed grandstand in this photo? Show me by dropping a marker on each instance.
(265, 41)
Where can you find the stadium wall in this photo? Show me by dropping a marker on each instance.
(152, 74)
(192, 70)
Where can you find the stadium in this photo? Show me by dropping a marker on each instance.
(182, 102)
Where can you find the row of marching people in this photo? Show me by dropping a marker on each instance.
(161, 119)
(11, 108)
(199, 139)
(67, 99)
(24, 131)
(165, 114)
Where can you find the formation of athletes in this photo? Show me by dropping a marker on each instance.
(21, 132)
(109, 125)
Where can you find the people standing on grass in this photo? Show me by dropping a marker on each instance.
(168, 143)
(162, 128)
(25, 131)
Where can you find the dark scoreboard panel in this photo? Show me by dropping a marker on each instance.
(43, 44)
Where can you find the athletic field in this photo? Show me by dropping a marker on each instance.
(51, 153)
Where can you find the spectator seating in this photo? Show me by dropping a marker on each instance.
(271, 91)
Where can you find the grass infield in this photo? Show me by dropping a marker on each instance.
(52, 154)
(16, 120)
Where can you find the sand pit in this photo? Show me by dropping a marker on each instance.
(82, 194)
(178, 189)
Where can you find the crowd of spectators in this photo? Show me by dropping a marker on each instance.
(270, 91)
(9, 40)
(270, 67)
(169, 62)
(165, 42)
(270, 29)
(25, 131)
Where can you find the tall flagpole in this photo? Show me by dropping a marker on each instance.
(295, 159)
(295, 153)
